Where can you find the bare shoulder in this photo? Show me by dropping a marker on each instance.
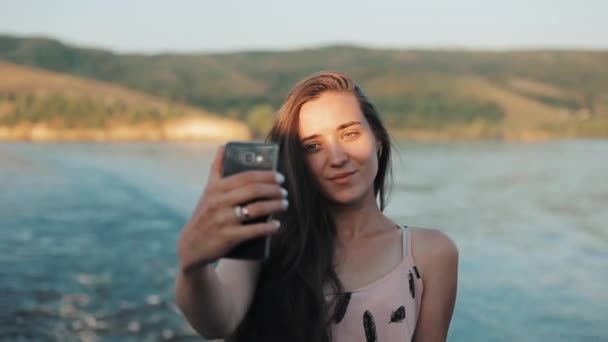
(432, 246)
(437, 257)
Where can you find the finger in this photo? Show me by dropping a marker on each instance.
(240, 233)
(264, 208)
(253, 192)
(227, 216)
(216, 166)
(248, 177)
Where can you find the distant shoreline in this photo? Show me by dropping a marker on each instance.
(185, 129)
(197, 129)
(161, 134)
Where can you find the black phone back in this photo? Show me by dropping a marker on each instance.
(244, 156)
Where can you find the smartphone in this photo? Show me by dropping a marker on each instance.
(244, 156)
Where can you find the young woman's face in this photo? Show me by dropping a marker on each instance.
(340, 147)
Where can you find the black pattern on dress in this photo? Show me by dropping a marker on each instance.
(398, 315)
(369, 325)
(411, 282)
(417, 273)
(341, 305)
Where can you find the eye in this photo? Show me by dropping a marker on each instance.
(350, 135)
(313, 147)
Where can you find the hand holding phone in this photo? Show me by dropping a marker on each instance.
(238, 177)
(247, 156)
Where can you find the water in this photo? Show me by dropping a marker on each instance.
(88, 236)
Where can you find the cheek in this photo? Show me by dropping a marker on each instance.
(367, 157)
(315, 164)
(363, 152)
(372, 164)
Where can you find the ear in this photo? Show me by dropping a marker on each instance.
(379, 148)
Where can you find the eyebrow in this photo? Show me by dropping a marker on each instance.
(341, 127)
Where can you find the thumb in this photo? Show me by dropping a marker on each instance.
(216, 166)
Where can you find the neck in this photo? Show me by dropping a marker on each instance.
(356, 220)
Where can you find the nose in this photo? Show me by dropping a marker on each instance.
(337, 155)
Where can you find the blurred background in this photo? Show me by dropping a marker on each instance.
(110, 113)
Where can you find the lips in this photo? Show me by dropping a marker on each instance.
(341, 176)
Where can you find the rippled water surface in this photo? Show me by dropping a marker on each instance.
(88, 236)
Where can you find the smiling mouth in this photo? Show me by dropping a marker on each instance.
(341, 176)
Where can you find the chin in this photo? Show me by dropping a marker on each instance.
(346, 198)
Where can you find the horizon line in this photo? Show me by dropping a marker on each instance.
(329, 44)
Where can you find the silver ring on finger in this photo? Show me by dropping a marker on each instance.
(241, 213)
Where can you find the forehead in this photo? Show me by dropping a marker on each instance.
(328, 112)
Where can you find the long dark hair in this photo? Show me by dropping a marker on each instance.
(289, 303)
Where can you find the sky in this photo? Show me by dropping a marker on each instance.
(232, 25)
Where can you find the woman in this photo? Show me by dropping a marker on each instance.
(339, 269)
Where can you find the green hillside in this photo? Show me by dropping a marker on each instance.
(38, 104)
(421, 94)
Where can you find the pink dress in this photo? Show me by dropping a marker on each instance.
(385, 310)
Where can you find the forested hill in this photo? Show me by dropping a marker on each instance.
(42, 105)
(424, 93)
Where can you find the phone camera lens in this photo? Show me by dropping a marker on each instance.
(249, 157)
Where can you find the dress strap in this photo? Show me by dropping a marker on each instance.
(405, 235)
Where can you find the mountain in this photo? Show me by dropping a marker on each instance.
(520, 95)
(42, 105)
